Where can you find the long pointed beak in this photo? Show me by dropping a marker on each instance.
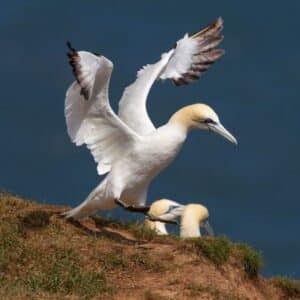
(173, 213)
(208, 228)
(221, 130)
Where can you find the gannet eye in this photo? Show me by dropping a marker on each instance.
(209, 121)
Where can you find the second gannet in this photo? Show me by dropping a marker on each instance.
(193, 217)
(128, 147)
(166, 209)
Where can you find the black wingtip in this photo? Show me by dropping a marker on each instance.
(69, 45)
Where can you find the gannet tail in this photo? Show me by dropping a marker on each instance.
(96, 200)
(81, 211)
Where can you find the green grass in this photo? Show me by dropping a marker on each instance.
(30, 265)
(220, 249)
(216, 249)
(290, 287)
(61, 272)
(251, 259)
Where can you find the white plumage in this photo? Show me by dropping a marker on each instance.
(128, 147)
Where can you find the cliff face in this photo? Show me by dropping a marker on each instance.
(42, 256)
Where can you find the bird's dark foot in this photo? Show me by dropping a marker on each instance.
(140, 209)
(158, 219)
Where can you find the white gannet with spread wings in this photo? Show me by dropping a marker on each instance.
(128, 147)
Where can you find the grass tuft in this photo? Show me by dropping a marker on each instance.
(216, 250)
(290, 287)
(36, 219)
(251, 259)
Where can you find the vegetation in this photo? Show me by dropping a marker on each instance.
(220, 249)
(251, 259)
(42, 256)
(216, 249)
(290, 287)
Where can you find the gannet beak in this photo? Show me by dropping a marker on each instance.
(207, 227)
(220, 129)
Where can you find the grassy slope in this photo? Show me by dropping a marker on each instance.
(44, 257)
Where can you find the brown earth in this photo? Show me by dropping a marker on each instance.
(42, 256)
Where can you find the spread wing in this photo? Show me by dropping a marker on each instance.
(186, 62)
(89, 116)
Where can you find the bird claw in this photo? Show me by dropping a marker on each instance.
(140, 209)
(144, 210)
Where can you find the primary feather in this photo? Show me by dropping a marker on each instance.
(87, 109)
(185, 63)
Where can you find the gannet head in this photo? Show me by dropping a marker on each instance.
(165, 209)
(194, 216)
(201, 116)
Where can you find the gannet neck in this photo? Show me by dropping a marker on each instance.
(191, 116)
(158, 227)
(192, 215)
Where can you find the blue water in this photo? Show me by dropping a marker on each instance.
(251, 190)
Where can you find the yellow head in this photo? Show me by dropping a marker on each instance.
(193, 217)
(165, 209)
(201, 116)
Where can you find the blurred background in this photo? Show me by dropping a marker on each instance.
(251, 190)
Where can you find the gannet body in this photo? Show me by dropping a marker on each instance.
(128, 147)
(193, 216)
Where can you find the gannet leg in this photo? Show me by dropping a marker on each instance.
(140, 209)
(144, 210)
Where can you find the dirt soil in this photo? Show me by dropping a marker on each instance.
(43, 256)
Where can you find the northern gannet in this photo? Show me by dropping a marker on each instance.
(193, 217)
(166, 210)
(128, 147)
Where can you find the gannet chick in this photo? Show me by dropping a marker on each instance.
(127, 146)
(165, 209)
(194, 216)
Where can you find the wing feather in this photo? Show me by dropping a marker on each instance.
(186, 62)
(194, 54)
(89, 117)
